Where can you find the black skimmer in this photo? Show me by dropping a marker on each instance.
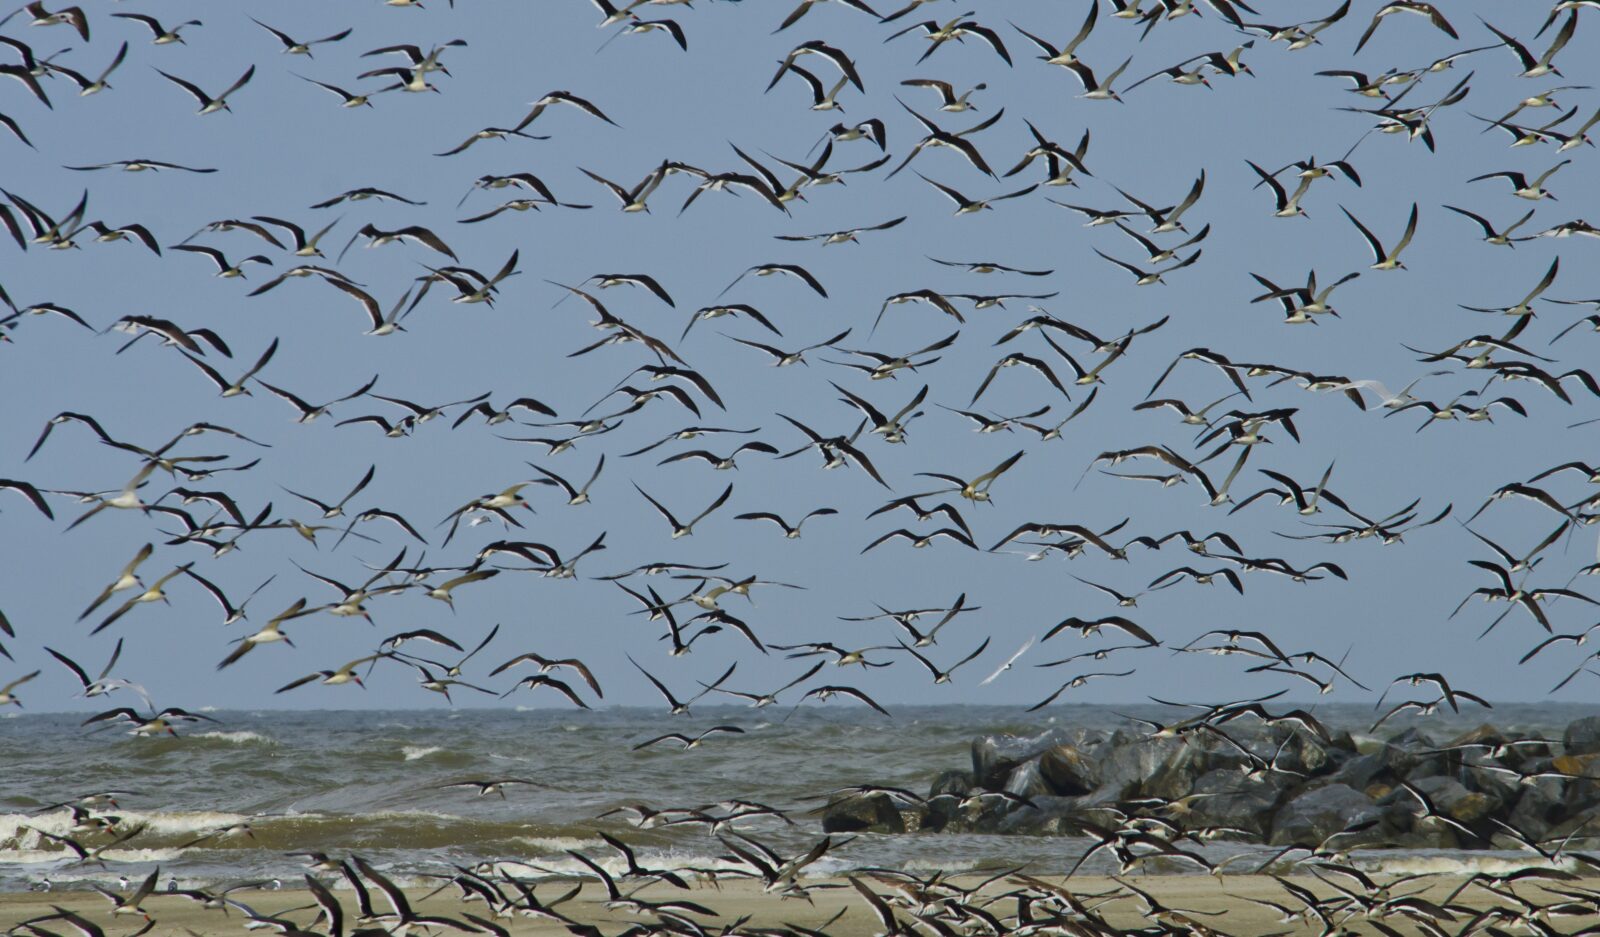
(688, 741)
(86, 86)
(1521, 187)
(293, 46)
(160, 35)
(209, 104)
(1407, 6)
(1544, 64)
(1386, 259)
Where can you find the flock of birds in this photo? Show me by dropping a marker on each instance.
(193, 490)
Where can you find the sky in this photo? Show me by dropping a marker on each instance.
(286, 145)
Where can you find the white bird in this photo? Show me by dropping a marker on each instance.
(1007, 665)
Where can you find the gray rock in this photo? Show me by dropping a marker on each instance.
(1055, 816)
(915, 817)
(874, 813)
(990, 765)
(1311, 816)
(1582, 736)
(1485, 734)
(1027, 780)
(1584, 820)
(1377, 773)
(951, 782)
(1177, 775)
(1068, 771)
(1142, 767)
(1412, 739)
(944, 814)
(1451, 798)
(1307, 754)
(1581, 790)
(1343, 741)
(995, 756)
(1240, 804)
(1538, 808)
(1502, 789)
(1465, 806)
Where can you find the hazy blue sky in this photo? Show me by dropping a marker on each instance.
(287, 145)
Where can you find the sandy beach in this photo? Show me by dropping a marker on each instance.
(743, 899)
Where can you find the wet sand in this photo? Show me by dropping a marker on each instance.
(736, 899)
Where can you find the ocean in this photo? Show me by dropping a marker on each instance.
(370, 783)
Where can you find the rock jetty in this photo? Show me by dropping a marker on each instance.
(1319, 786)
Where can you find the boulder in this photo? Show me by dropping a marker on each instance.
(944, 814)
(915, 817)
(1377, 773)
(1055, 816)
(1538, 808)
(1452, 798)
(1412, 739)
(1503, 789)
(995, 756)
(1305, 753)
(1580, 766)
(1583, 820)
(1239, 804)
(1582, 789)
(1311, 816)
(1582, 736)
(1027, 780)
(1068, 771)
(874, 813)
(990, 764)
(1145, 767)
(951, 782)
(1485, 734)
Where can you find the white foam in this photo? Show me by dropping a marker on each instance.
(936, 865)
(519, 869)
(184, 821)
(559, 843)
(238, 736)
(1464, 864)
(59, 822)
(47, 856)
(414, 752)
(616, 865)
(410, 814)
